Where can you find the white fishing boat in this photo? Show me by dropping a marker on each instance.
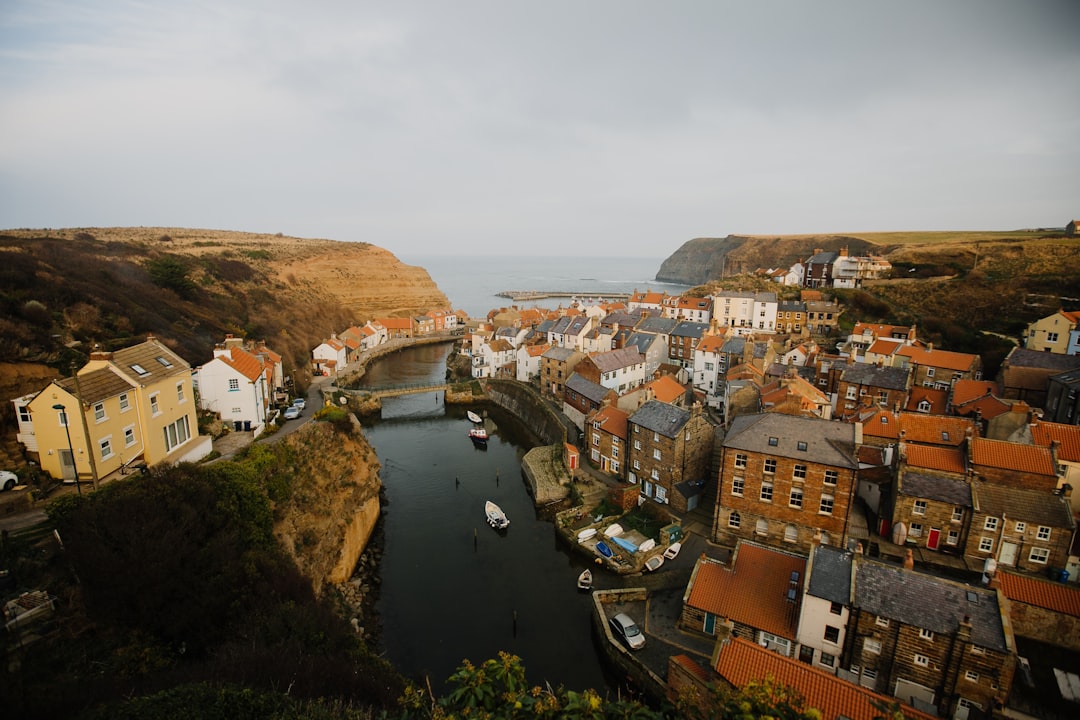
(474, 417)
(646, 546)
(495, 516)
(586, 534)
(613, 530)
(478, 435)
(654, 562)
(584, 580)
(672, 552)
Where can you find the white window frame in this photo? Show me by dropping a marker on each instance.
(734, 520)
(986, 544)
(926, 634)
(105, 447)
(129, 436)
(831, 477)
(827, 505)
(871, 646)
(740, 460)
(766, 492)
(1039, 555)
(919, 507)
(795, 500)
(991, 523)
(921, 660)
(738, 486)
(99, 412)
(125, 402)
(155, 407)
(1043, 533)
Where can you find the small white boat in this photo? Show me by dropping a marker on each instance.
(495, 516)
(646, 546)
(584, 580)
(613, 530)
(586, 534)
(654, 562)
(474, 417)
(673, 552)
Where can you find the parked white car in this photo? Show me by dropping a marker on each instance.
(299, 403)
(8, 479)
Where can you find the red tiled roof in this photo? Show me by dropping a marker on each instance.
(882, 424)
(1043, 433)
(753, 591)
(946, 459)
(1012, 456)
(612, 420)
(711, 343)
(966, 390)
(885, 346)
(666, 389)
(935, 429)
(396, 323)
(878, 330)
(244, 363)
(947, 359)
(938, 399)
(741, 662)
(1042, 593)
(687, 664)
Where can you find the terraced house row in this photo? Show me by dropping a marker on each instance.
(913, 490)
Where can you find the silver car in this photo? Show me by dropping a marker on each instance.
(627, 630)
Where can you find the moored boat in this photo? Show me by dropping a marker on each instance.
(654, 562)
(474, 417)
(586, 534)
(478, 435)
(603, 549)
(496, 518)
(584, 580)
(672, 552)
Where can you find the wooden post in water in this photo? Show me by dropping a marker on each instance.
(475, 547)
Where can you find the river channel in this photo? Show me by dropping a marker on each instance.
(452, 587)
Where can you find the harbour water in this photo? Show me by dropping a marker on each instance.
(452, 587)
(471, 282)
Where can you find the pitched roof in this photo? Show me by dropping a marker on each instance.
(826, 442)
(889, 378)
(710, 343)
(741, 662)
(243, 362)
(930, 357)
(1040, 507)
(930, 457)
(586, 388)
(667, 389)
(928, 602)
(1012, 456)
(935, 400)
(613, 360)
(1041, 593)
(661, 417)
(966, 390)
(1043, 433)
(753, 590)
(1020, 357)
(98, 385)
(878, 330)
(954, 491)
(612, 420)
(935, 429)
(686, 328)
(830, 574)
(560, 354)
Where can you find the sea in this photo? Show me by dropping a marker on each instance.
(472, 282)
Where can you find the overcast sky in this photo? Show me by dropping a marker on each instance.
(465, 126)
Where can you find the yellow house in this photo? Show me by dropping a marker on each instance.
(135, 405)
(1051, 333)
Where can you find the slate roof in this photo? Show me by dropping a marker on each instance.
(1030, 590)
(1020, 357)
(656, 325)
(560, 354)
(827, 442)
(752, 591)
(1039, 507)
(830, 574)
(734, 345)
(791, 305)
(928, 602)
(953, 491)
(586, 388)
(690, 329)
(889, 378)
(641, 341)
(741, 662)
(1012, 456)
(660, 417)
(612, 360)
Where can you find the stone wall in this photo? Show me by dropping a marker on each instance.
(526, 404)
(1047, 626)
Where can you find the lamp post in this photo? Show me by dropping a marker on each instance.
(67, 431)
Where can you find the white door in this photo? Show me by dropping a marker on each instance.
(1008, 554)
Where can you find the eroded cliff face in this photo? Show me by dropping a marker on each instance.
(327, 522)
(703, 259)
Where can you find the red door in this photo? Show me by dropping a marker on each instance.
(933, 538)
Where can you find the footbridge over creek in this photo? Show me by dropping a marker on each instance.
(394, 390)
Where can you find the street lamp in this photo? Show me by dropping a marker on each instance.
(67, 431)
